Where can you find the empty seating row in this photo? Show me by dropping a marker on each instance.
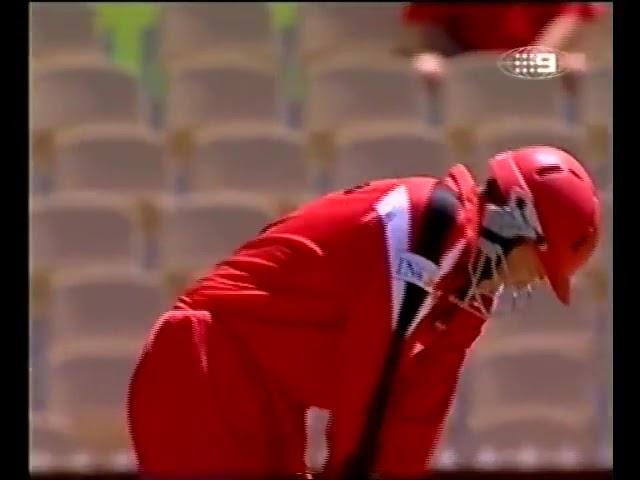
(76, 228)
(269, 159)
(135, 160)
(94, 409)
(94, 303)
(89, 382)
(326, 28)
(344, 89)
(85, 229)
(102, 301)
(186, 30)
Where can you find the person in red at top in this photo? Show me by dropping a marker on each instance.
(495, 26)
(433, 30)
(331, 344)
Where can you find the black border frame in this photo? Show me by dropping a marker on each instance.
(15, 448)
(16, 240)
(624, 332)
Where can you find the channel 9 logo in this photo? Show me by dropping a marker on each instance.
(532, 63)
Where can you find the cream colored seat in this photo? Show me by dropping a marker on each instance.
(200, 229)
(189, 30)
(598, 156)
(596, 94)
(78, 91)
(477, 91)
(50, 443)
(216, 90)
(89, 388)
(49, 434)
(532, 437)
(388, 150)
(499, 136)
(81, 230)
(62, 29)
(94, 303)
(537, 368)
(606, 200)
(328, 28)
(357, 87)
(543, 312)
(261, 158)
(596, 97)
(114, 158)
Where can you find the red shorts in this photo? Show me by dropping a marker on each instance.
(194, 407)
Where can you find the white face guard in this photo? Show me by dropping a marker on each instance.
(518, 219)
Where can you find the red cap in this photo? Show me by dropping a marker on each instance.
(565, 201)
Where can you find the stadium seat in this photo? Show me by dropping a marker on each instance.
(329, 28)
(601, 275)
(532, 437)
(189, 30)
(596, 93)
(351, 88)
(73, 92)
(62, 29)
(606, 199)
(95, 302)
(543, 312)
(80, 230)
(39, 337)
(446, 455)
(498, 136)
(201, 229)
(117, 158)
(596, 100)
(598, 156)
(89, 388)
(387, 150)
(260, 158)
(475, 91)
(219, 91)
(50, 442)
(536, 368)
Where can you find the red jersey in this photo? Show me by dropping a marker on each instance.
(494, 26)
(295, 327)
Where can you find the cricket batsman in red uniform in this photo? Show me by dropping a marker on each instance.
(331, 344)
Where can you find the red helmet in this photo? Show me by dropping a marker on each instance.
(563, 203)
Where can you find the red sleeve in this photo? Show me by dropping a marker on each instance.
(421, 13)
(585, 11)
